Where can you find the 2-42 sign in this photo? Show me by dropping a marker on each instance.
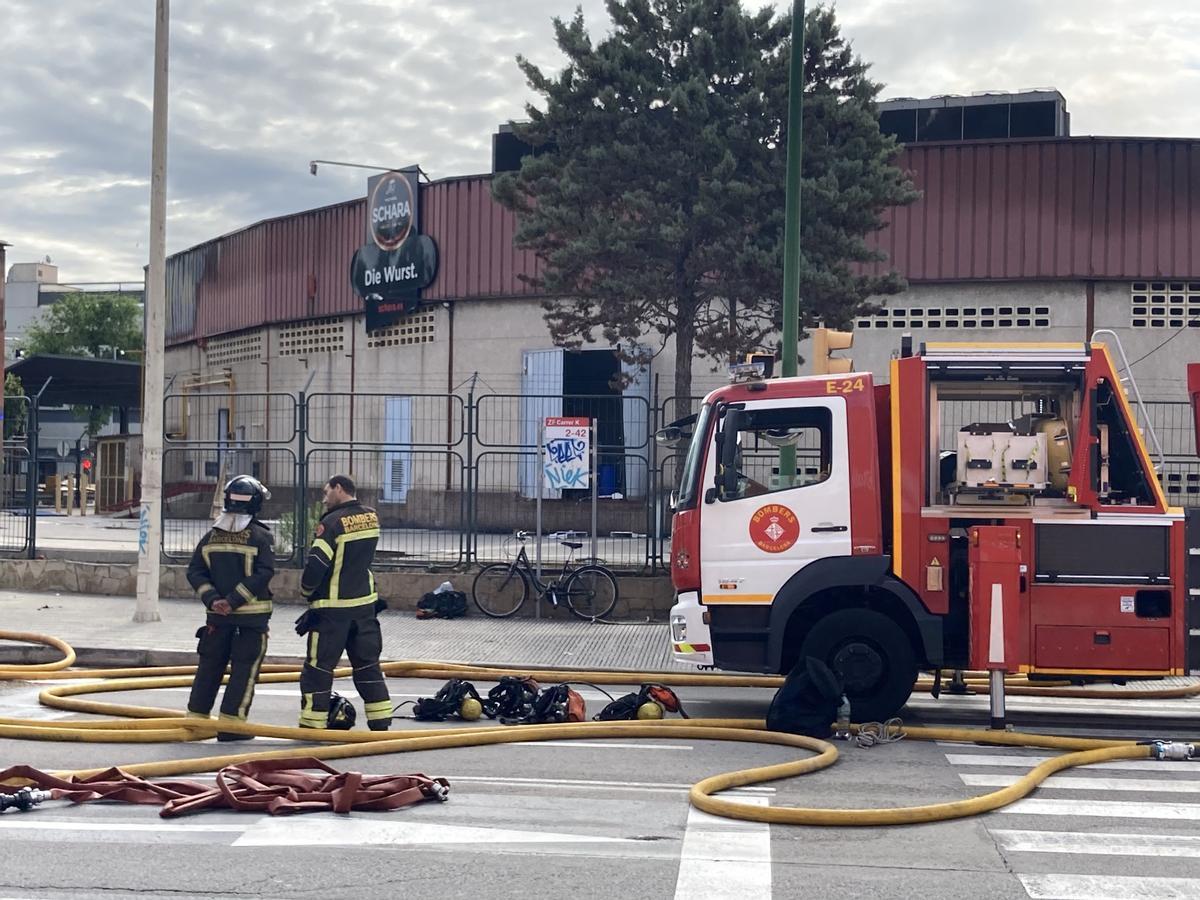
(566, 452)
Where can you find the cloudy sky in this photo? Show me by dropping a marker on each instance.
(258, 89)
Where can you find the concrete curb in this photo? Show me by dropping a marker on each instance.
(113, 658)
(641, 597)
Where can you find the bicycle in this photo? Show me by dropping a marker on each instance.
(501, 589)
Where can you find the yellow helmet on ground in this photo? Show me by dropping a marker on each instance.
(649, 710)
(471, 709)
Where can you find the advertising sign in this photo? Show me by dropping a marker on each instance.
(566, 452)
(396, 261)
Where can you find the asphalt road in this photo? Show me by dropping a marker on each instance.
(610, 819)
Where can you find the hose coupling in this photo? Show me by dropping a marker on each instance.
(1173, 750)
(23, 799)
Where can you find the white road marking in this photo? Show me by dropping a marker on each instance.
(1114, 809)
(1028, 762)
(1141, 709)
(315, 830)
(293, 692)
(49, 830)
(1178, 845)
(612, 744)
(1109, 887)
(20, 823)
(725, 859)
(599, 785)
(1082, 783)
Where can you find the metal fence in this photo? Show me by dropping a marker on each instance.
(18, 477)
(452, 476)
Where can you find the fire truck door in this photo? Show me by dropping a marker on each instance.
(760, 524)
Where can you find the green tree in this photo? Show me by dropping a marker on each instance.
(656, 195)
(104, 325)
(16, 409)
(100, 324)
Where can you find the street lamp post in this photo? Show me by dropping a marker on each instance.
(791, 223)
(150, 521)
(313, 164)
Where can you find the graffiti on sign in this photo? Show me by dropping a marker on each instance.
(566, 450)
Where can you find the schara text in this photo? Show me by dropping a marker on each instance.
(391, 212)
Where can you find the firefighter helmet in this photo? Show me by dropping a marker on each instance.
(470, 709)
(649, 710)
(245, 494)
(341, 713)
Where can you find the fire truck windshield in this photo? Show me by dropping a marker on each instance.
(693, 463)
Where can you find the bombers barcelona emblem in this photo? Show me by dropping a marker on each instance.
(774, 528)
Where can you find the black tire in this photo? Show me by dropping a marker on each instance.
(591, 592)
(499, 590)
(872, 655)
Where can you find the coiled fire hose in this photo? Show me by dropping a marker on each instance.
(140, 724)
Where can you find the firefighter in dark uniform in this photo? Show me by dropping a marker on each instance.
(231, 572)
(340, 589)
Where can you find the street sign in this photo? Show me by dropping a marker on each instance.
(64, 448)
(566, 451)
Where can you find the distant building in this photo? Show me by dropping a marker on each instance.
(32, 287)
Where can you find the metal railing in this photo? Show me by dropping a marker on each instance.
(453, 476)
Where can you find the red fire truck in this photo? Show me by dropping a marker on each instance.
(829, 516)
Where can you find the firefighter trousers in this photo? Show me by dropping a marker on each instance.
(242, 649)
(362, 641)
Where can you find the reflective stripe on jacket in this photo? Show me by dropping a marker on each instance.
(237, 566)
(337, 574)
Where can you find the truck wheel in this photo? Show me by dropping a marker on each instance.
(873, 657)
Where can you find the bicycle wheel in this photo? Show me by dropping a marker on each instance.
(499, 590)
(591, 592)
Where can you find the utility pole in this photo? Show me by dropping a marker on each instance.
(789, 358)
(791, 222)
(150, 522)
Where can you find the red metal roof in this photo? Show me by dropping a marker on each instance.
(1082, 208)
(1053, 208)
(298, 266)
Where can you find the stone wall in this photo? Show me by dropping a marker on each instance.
(641, 597)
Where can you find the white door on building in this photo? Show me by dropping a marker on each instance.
(635, 411)
(397, 459)
(541, 397)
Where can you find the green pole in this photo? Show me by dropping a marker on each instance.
(791, 225)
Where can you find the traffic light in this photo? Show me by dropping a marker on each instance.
(825, 342)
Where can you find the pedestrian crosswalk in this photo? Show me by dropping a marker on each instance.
(1104, 832)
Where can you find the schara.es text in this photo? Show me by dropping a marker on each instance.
(390, 274)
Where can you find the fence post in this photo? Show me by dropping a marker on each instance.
(469, 475)
(31, 439)
(300, 531)
(653, 517)
(594, 479)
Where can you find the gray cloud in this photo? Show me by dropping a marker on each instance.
(259, 89)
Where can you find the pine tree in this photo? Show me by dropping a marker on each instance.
(656, 194)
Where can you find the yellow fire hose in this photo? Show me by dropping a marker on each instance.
(140, 724)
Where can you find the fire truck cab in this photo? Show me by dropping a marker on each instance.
(829, 516)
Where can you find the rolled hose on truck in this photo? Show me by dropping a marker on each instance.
(141, 724)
